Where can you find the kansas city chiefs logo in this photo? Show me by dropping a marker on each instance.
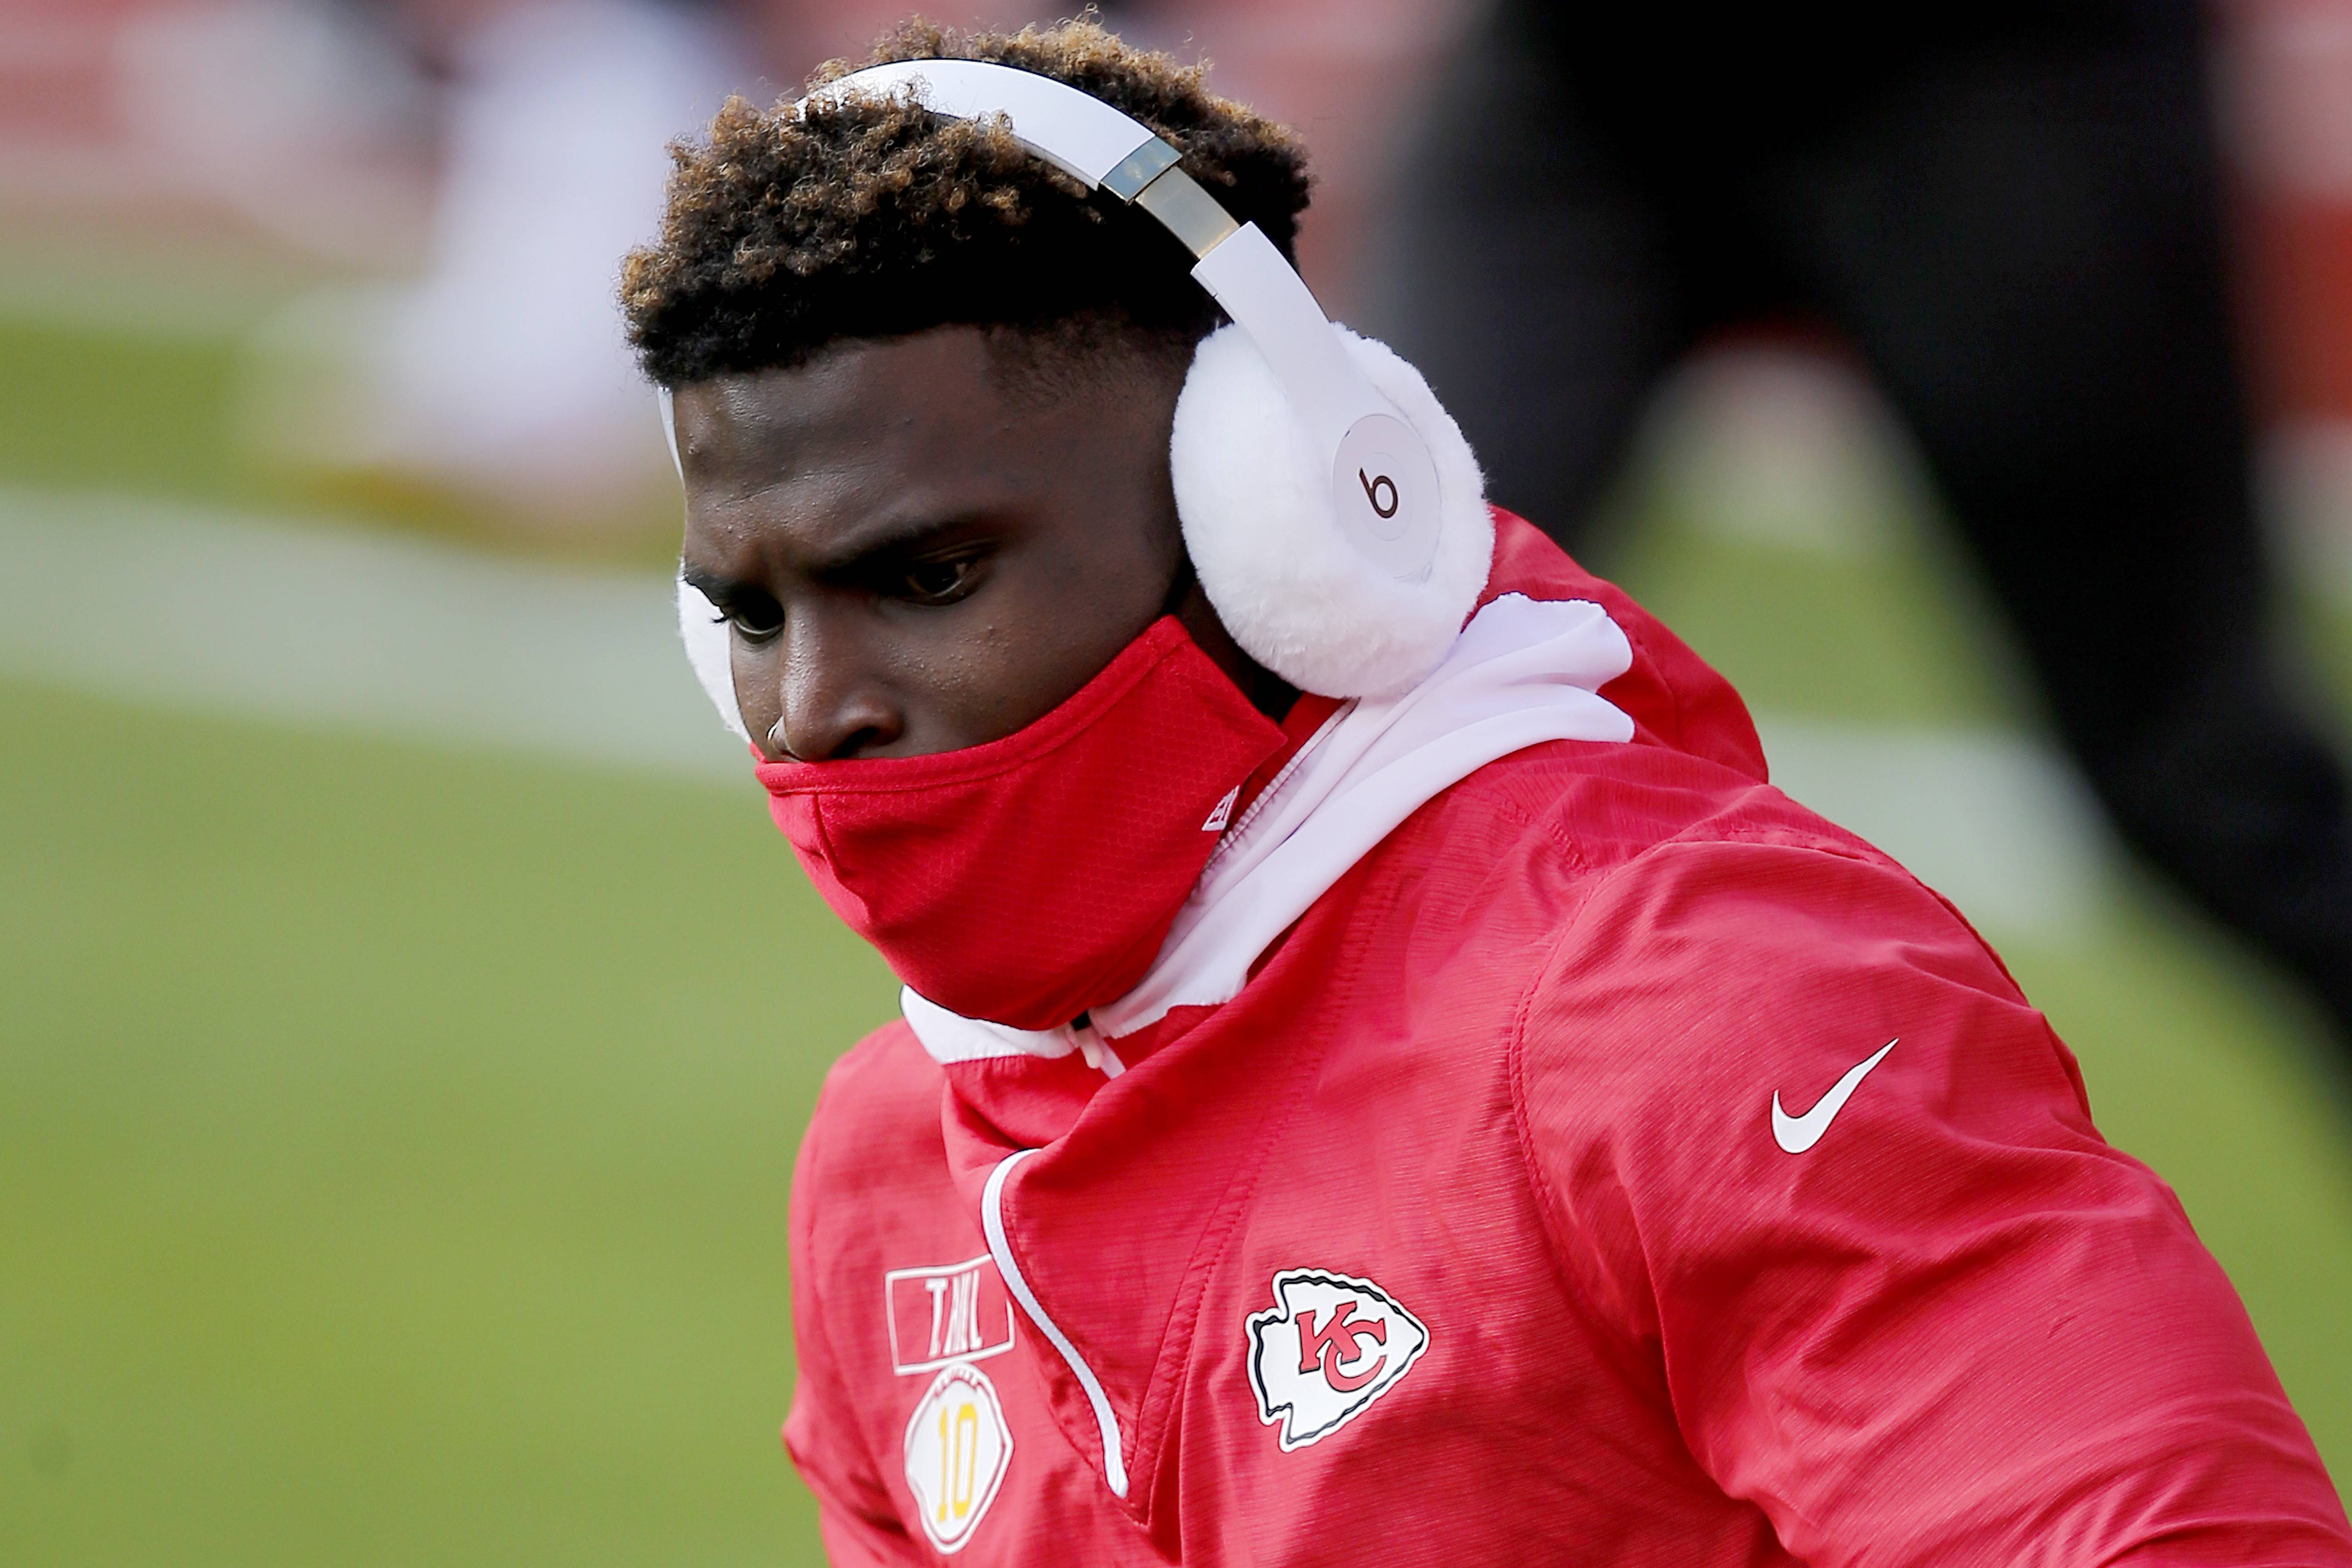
(1332, 1345)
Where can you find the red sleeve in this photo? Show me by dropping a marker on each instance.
(860, 1526)
(1957, 1328)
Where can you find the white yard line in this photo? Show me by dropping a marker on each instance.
(175, 606)
(169, 604)
(1997, 823)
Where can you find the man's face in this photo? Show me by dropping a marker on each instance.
(914, 559)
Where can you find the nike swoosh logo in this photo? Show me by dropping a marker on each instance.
(1796, 1134)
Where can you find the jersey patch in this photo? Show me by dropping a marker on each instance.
(947, 1312)
(1331, 1345)
(958, 1449)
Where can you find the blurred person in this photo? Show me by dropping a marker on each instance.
(500, 371)
(310, 119)
(2011, 213)
(1354, 962)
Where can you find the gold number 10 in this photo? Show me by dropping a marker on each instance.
(959, 1458)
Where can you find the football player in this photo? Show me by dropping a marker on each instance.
(1383, 1075)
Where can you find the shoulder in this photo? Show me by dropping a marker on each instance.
(870, 1193)
(1719, 1007)
(1707, 991)
(887, 1075)
(877, 1116)
(1763, 940)
(1556, 848)
(877, 1124)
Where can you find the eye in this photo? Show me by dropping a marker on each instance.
(756, 617)
(939, 582)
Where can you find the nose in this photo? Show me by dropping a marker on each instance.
(831, 706)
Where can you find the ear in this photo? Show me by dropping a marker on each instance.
(1255, 504)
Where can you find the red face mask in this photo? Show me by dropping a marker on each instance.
(1028, 880)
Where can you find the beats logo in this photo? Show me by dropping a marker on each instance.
(1385, 492)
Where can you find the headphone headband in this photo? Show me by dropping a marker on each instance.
(1076, 132)
(1383, 485)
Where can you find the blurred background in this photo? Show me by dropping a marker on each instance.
(407, 1014)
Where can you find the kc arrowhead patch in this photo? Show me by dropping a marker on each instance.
(1331, 1345)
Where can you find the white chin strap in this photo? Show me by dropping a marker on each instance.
(1335, 515)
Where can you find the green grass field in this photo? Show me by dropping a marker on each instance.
(394, 1142)
(393, 1152)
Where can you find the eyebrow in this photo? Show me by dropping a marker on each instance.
(710, 585)
(854, 554)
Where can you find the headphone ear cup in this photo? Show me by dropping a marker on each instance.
(707, 650)
(700, 625)
(1255, 499)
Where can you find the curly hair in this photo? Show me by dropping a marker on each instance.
(875, 218)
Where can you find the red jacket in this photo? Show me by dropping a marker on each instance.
(1552, 1191)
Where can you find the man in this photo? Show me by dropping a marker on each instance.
(1458, 1114)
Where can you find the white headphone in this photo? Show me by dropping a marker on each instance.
(1334, 514)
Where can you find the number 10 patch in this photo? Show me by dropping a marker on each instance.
(958, 1448)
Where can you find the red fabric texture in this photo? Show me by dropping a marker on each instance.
(1028, 880)
(1515, 1072)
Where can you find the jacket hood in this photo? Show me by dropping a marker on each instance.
(1673, 696)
